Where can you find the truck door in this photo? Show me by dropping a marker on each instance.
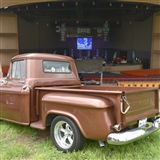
(15, 99)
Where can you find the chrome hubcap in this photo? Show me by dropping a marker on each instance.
(63, 135)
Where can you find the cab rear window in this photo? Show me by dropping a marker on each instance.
(56, 67)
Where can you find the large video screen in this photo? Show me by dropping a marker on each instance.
(84, 43)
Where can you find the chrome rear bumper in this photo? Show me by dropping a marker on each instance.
(134, 134)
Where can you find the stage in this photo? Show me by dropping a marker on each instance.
(121, 67)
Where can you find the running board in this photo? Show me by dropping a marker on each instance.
(37, 125)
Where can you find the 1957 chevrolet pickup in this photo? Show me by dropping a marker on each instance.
(43, 90)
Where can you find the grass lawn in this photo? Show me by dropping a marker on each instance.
(25, 143)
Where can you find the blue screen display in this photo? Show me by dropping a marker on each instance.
(84, 43)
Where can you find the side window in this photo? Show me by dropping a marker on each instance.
(18, 69)
(56, 67)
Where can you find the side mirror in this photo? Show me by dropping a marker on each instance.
(2, 81)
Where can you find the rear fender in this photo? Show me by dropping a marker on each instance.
(92, 114)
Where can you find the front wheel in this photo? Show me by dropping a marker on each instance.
(65, 134)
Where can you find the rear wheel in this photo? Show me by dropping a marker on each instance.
(66, 135)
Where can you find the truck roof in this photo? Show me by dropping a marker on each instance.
(42, 56)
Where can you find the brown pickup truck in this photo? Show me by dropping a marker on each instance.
(43, 90)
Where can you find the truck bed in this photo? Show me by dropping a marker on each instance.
(139, 102)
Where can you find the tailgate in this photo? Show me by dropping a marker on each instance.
(140, 105)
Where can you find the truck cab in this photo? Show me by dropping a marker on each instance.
(26, 72)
